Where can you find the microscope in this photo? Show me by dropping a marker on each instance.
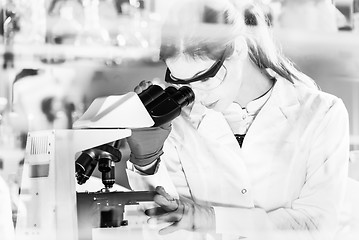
(57, 161)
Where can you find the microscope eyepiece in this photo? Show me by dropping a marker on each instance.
(165, 105)
(183, 96)
(150, 94)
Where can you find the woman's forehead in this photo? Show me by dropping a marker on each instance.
(184, 68)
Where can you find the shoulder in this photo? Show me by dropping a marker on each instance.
(307, 104)
(316, 99)
(308, 95)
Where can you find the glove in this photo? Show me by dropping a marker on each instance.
(146, 144)
(183, 213)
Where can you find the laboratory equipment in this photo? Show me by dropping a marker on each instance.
(53, 208)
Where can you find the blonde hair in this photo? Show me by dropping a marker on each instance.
(206, 28)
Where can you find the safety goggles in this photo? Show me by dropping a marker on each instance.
(208, 80)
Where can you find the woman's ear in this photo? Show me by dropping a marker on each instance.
(240, 48)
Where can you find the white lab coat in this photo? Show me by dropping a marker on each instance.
(6, 224)
(287, 179)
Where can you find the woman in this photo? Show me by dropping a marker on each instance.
(261, 154)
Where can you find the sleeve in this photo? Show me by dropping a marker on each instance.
(143, 182)
(314, 214)
(169, 173)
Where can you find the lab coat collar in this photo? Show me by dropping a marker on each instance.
(284, 96)
(279, 112)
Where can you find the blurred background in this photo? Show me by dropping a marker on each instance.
(57, 56)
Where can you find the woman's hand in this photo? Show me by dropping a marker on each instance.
(183, 213)
(146, 143)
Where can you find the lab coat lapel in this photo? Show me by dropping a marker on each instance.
(220, 133)
(277, 114)
(273, 122)
(217, 147)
